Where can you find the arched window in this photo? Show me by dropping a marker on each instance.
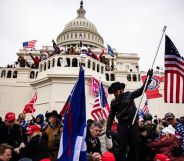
(139, 77)
(68, 62)
(134, 77)
(15, 74)
(45, 66)
(74, 62)
(41, 66)
(9, 73)
(89, 63)
(3, 74)
(129, 77)
(49, 64)
(60, 62)
(94, 65)
(32, 75)
(112, 77)
(102, 69)
(107, 76)
(53, 62)
(36, 75)
(98, 68)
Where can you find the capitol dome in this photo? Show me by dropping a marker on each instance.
(80, 28)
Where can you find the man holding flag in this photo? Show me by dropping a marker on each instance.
(123, 107)
(73, 145)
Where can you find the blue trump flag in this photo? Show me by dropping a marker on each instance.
(73, 140)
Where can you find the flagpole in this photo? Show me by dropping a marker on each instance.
(163, 31)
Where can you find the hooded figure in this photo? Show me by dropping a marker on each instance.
(40, 120)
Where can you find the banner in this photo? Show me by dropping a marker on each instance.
(153, 88)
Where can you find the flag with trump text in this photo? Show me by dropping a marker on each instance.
(29, 44)
(29, 108)
(101, 107)
(95, 84)
(174, 74)
(73, 144)
(153, 88)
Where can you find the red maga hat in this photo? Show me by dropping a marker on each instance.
(33, 128)
(10, 116)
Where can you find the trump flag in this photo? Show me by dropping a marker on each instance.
(153, 88)
(72, 144)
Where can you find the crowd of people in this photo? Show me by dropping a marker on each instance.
(143, 139)
(38, 139)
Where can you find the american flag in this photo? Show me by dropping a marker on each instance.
(174, 74)
(145, 108)
(101, 107)
(29, 44)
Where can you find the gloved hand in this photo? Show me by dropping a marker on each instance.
(108, 134)
(150, 73)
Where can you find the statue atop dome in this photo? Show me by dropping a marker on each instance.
(81, 3)
(81, 11)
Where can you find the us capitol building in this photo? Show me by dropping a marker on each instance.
(56, 75)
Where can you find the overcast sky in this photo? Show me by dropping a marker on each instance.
(130, 26)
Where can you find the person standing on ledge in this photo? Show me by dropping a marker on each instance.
(124, 108)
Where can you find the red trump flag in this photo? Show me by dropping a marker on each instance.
(153, 88)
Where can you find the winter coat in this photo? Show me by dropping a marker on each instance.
(12, 136)
(37, 148)
(105, 142)
(54, 136)
(41, 123)
(165, 146)
(124, 108)
(93, 144)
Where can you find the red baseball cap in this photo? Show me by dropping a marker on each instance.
(10, 116)
(33, 128)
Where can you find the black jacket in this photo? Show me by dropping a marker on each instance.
(12, 136)
(37, 148)
(124, 108)
(93, 144)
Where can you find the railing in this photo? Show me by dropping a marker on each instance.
(67, 61)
